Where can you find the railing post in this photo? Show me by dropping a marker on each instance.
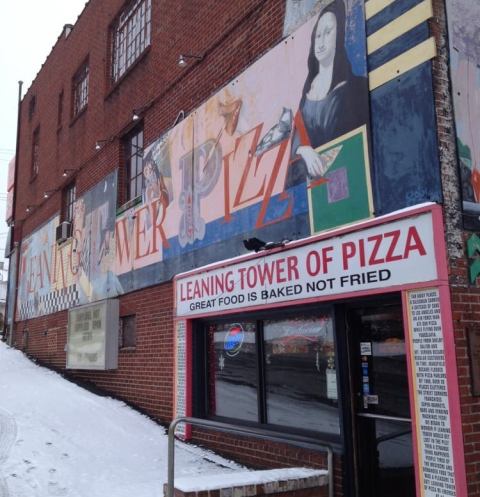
(171, 456)
(330, 471)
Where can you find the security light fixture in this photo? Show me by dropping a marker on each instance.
(182, 60)
(66, 172)
(180, 117)
(99, 144)
(30, 208)
(48, 193)
(256, 244)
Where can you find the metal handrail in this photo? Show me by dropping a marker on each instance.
(243, 430)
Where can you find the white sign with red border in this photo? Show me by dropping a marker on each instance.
(432, 411)
(399, 252)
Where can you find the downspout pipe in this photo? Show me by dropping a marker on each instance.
(14, 209)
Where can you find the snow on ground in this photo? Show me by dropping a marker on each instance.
(239, 478)
(57, 439)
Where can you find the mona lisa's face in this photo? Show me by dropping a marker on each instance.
(326, 38)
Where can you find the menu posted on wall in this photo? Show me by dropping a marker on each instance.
(180, 376)
(433, 415)
(92, 336)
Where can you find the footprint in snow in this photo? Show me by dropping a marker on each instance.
(55, 490)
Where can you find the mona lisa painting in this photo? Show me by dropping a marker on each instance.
(330, 146)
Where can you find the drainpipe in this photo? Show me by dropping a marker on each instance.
(12, 234)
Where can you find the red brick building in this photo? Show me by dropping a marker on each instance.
(263, 212)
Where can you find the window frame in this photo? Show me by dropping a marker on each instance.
(121, 336)
(201, 369)
(130, 37)
(35, 163)
(69, 197)
(133, 155)
(60, 103)
(80, 89)
(32, 105)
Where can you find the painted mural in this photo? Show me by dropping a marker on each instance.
(53, 276)
(463, 23)
(299, 11)
(247, 161)
(279, 153)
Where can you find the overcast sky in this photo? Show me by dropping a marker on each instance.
(28, 31)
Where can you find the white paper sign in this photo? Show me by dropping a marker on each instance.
(432, 396)
(365, 348)
(180, 376)
(332, 391)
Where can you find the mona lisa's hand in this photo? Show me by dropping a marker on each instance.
(314, 163)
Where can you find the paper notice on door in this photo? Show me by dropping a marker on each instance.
(332, 392)
(365, 348)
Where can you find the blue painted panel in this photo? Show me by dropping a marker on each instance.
(398, 46)
(219, 230)
(222, 241)
(406, 167)
(389, 13)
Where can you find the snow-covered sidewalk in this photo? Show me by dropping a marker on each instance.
(57, 439)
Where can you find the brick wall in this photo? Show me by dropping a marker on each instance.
(144, 375)
(267, 454)
(466, 315)
(231, 38)
(465, 298)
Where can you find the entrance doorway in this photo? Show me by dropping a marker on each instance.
(383, 461)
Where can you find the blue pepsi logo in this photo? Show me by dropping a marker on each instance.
(234, 340)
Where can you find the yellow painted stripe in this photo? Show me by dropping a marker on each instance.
(408, 60)
(373, 7)
(400, 25)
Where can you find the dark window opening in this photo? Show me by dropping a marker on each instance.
(60, 109)
(35, 153)
(68, 202)
(31, 107)
(127, 337)
(80, 89)
(133, 153)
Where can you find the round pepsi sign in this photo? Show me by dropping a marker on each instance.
(234, 340)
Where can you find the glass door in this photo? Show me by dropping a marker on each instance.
(382, 424)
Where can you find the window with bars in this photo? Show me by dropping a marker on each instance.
(133, 151)
(80, 89)
(69, 197)
(130, 36)
(35, 152)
